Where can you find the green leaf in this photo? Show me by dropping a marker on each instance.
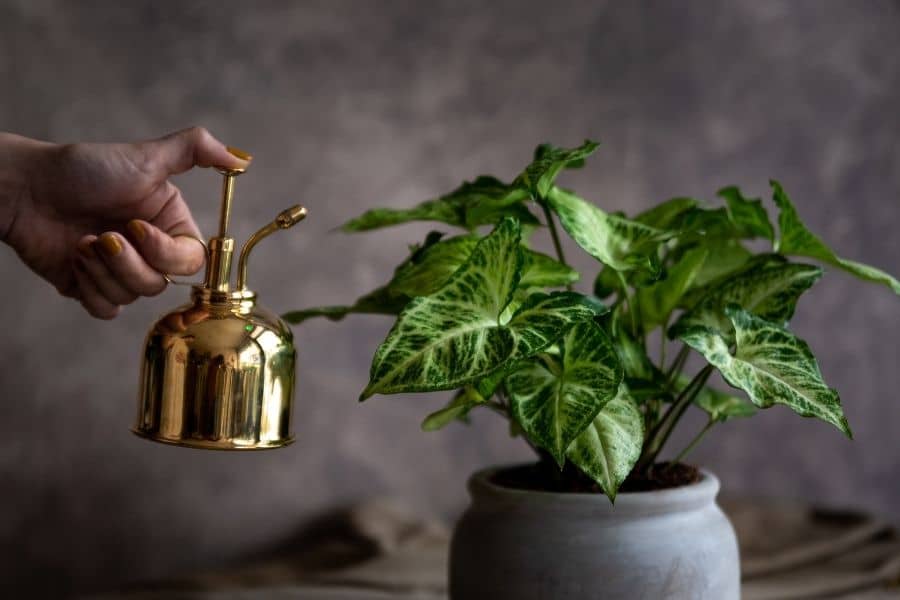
(382, 301)
(538, 177)
(615, 241)
(430, 270)
(723, 257)
(555, 400)
(610, 446)
(667, 214)
(772, 365)
(455, 336)
(747, 214)
(656, 302)
(544, 318)
(607, 282)
(481, 202)
(457, 409)
(797, 240)
(720, 406)
(432, 267)
(542, 271)
(768, 290)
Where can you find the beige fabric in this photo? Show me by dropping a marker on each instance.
(381, 551)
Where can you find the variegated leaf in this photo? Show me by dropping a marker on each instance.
(429, 271)
(656, 302)
(747, 214)
(797, 240)
(543, 319)
(610, 446)
(768, 290)
(538, 177)
(555, 400)
(481, 202)
(772, 365)
(453, 336)
(615, 241)
(456, 336)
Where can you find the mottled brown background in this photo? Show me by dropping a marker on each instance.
(347, 105)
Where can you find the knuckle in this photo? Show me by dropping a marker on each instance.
(198, 133)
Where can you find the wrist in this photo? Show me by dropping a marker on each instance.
(19, 157)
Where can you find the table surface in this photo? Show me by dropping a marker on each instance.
(379, 551)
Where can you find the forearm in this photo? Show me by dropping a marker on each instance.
(19, 157)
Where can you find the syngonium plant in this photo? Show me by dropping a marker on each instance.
(484, 314)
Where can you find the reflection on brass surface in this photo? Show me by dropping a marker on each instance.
(218, 373)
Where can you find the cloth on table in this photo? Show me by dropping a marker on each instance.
(380, 551)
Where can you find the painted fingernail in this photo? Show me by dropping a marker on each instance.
(136, 229)
(239, 153)
(85, 250)
(109, 244)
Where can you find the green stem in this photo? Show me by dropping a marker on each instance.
(551, 224)
(660, 434)
(680, 456)
(677, 364)
(629, 304)
(662, 343)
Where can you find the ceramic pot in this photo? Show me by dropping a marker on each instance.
(527, 545)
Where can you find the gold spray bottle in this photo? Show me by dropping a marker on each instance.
(218, 372)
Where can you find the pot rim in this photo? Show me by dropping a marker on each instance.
(686, 497)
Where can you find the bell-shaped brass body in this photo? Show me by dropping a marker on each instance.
(218, 372)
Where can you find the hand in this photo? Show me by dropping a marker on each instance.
(101, 222)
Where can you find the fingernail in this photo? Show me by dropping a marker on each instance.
(85, 250)
(136, 229)
(239, 153)
(109, 244)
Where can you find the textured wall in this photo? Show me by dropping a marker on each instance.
(349, 105)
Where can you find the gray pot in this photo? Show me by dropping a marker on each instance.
(526, 545)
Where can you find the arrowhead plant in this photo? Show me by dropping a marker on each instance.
(482, 313)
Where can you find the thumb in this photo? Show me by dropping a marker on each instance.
(195, 146)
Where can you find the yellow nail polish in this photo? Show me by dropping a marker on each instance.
(239, 153)
(136, 229)
(109, 244)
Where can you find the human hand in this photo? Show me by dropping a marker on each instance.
(101, 222)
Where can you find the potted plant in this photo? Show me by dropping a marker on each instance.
(588, 381)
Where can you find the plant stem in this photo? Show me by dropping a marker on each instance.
(662, 343)
(660, 434)
(678, 364)
(629, 303)
(678, 457)
(551, 224)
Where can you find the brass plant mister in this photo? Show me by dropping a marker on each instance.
(218, 372)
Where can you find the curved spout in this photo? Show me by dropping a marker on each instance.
(285, 220)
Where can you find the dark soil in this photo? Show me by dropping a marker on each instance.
(543, 477)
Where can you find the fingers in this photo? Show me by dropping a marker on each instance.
(175, 255)
(179, 151)
(92, 299)
(111, 273)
